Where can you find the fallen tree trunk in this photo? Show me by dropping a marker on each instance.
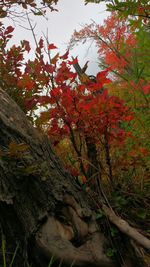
(42, 210)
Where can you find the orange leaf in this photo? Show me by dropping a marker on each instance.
(143, 151)
(54, 59)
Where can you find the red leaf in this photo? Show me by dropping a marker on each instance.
(74, 173)
(65, 56)
(26, 46)
(74, 61)
(51, 46)
(55, 93)
(44, 99)
(30, 102)
(128, 118)
(41, 43)
(49, 68)
(26, 82)
(146, 89)
(101, 76)
(9, 29)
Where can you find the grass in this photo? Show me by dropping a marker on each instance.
(12, 263)
(4, 253)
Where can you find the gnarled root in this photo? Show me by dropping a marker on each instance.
(58, 239)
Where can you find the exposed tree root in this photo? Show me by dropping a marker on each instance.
(124, 227)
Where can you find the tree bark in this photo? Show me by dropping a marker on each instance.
(42, 210)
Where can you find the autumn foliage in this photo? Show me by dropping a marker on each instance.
(98, 127)
(121, 49)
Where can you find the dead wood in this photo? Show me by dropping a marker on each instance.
(124, 227)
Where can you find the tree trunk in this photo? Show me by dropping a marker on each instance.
(43, 212)
(94, 171)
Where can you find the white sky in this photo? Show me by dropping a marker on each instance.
(71, 15)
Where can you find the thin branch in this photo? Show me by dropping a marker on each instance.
(32, 29)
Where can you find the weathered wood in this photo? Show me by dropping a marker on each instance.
(124, 227)
(41, 207)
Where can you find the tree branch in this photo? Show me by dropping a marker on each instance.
(125, 228)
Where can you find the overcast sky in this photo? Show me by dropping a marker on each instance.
(71, 15)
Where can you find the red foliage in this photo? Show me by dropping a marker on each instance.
(51, 46)
(88, 109)
(114, 40)
(69, 106)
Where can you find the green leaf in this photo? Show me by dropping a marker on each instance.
(142, 214)
(114, 231)
(100, 214)
(110, 252)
